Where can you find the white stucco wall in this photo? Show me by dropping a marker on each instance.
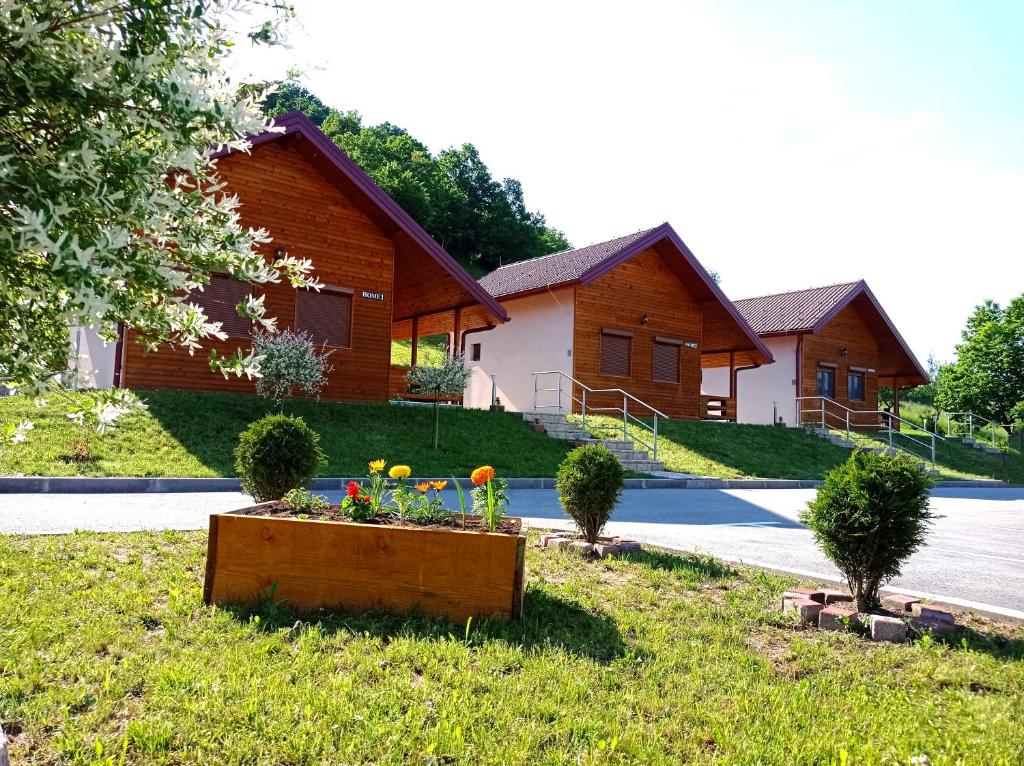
(95, 362)
(538, 336)
(758, 389)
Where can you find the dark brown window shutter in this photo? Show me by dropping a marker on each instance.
(615, 355)
(326, 316)
(220, 299)
(665, 367)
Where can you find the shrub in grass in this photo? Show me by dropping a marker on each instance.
(277, 454)
(870, 515)
(589, 484)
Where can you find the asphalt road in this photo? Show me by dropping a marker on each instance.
(974, 555)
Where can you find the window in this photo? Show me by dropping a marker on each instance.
(615, 353)
(855, 387)
(826, 382)
(665, 362)
(475, 352)
(220, 300)
(326, 316)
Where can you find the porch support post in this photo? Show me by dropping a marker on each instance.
(415, 340)
(456, 339)
(732, 374)
(895, 397)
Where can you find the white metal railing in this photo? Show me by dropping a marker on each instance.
(955, 421)
(628, 417)
(825, 417)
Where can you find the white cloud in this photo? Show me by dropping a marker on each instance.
(617, 117)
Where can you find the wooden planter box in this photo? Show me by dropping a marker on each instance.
(354, 567)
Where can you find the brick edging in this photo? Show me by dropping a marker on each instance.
(91, 484)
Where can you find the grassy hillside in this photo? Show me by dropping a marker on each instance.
(431, 352)
(734, 450)
(193, 434)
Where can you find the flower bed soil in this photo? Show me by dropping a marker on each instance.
(276, 510)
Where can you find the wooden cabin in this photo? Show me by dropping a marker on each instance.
(379, 268)
(834, 347)
(637, 313)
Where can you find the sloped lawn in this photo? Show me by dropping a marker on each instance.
(108, 656)
(194, 434)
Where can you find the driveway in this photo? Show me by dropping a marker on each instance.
(974, 555)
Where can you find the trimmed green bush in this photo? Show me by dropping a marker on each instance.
(868, 517)
(589, 484)
(277, 454)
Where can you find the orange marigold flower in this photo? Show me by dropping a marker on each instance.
(439, 485)
(482, 475)
(421, 487)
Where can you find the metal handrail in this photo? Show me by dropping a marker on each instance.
(825, 414)
(970, 425)
(627, 416)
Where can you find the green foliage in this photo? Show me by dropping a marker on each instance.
(98, 100)
(478, 219)
(289, 361)
(304, 501)
(277, 454)
(868, 517)
(589, 484)
(986, 377)
(1017, 413)
(490, 501)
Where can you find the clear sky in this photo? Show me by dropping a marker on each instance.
(791, 144)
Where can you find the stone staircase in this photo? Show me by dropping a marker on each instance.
(835, 438)
(982, 446)
(558, 426)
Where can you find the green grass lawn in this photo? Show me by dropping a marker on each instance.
(108, 656)
(194, 434)
(734, 450)
(431, 351)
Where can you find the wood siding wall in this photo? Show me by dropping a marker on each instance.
(281, 192)
(847, 330)
(617, 301)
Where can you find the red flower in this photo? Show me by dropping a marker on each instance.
(353, 489)
(366, 498)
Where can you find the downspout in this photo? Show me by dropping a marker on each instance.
(734, 384)
(799, 379)
(462, 345)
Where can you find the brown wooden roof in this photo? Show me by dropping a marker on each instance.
(808, 311)
(796, 311)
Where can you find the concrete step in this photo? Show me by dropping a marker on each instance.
(643, 466)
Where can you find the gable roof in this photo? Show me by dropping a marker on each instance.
(585, 264)
(796, 311)
(809, 311)
(298, 124)
(555, 268)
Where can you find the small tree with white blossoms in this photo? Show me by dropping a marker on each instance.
(111, 209)
(289, 361)
(449, 379)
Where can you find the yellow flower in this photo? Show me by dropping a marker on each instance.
(376, 466)
(439, 485)
(399, 472)
(482, 475)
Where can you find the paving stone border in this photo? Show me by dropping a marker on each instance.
(92, 484)
(602, 549)
(4, 756)
(834, 610)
